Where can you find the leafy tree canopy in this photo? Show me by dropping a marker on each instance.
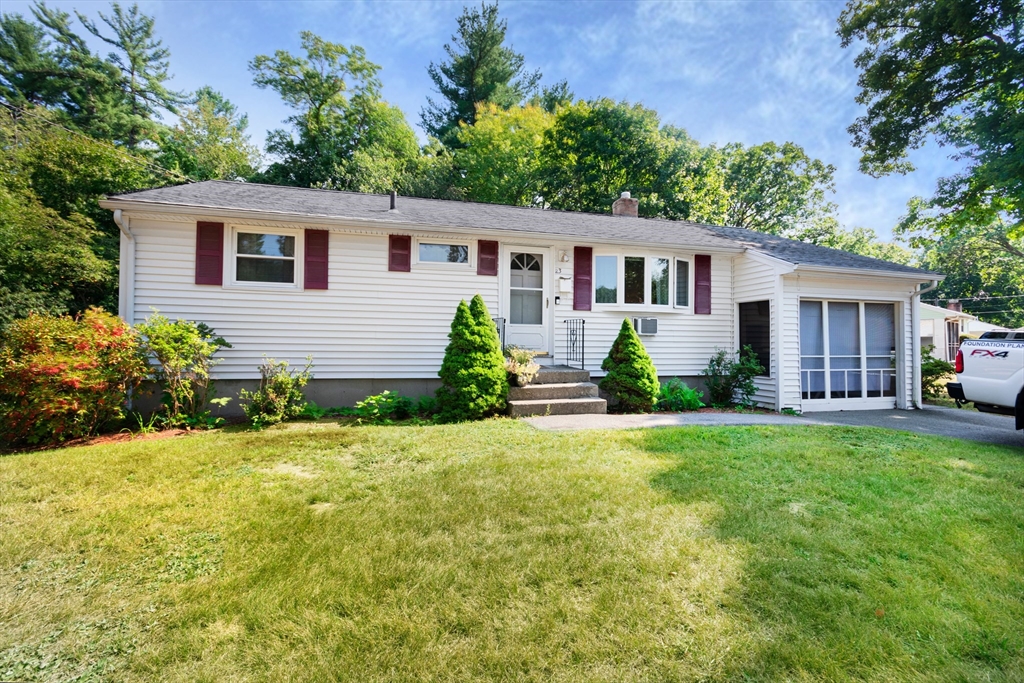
(776, 189)
(595, 150)
(952, 69)
(210, 142)
(336, 95)
(480, 68)
(499, 156)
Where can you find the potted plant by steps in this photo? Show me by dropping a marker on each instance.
(520, 365)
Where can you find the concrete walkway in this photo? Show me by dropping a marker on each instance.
(934, 420)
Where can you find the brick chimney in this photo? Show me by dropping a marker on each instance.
(954, 305)
(625, 206)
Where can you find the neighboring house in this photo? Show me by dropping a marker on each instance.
(368, 287)
(942, 327)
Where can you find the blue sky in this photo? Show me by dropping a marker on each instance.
(743, 71)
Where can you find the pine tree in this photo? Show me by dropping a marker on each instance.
(474, 381)
(632, 379)
(479, 69)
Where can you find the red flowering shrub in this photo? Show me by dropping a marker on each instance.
(63, 378)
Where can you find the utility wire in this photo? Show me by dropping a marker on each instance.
(973, 298)
(151, 166)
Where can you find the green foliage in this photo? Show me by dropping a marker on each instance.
(474, 383)
(676, 396)
(499, 156)
(776, 189)
(520, 365)
(595, 150)
(983, 266)
(631, 378)
(279, 396)
(951, 70)
(384, 408)
(935, 372)
(346, 137)
(730, 380)
(58, 249)
(479, 69)
(182, 355)
(210, 142)
(426, 407)
(63, 378)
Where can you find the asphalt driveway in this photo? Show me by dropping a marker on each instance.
(935, 420)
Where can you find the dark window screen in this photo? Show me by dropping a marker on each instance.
(756, 331)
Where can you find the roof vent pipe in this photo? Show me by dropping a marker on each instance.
(394, 200)
(625, 206)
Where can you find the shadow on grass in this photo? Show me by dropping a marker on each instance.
(871, 555)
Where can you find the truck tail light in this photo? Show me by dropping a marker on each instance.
(959, 365)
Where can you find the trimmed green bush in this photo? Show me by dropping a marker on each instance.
(632, 380)
(279, 396)
(64, 378)
(182, 353)
(731, 380)
(474, 383)
(934, 373)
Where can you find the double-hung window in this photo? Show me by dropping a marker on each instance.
(632, 280)
(264, 257)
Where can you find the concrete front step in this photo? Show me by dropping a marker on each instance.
(560, 374)
(558, 406)
(549, 391)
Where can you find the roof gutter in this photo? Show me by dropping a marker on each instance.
(378, 224)
(915, 340)
(122, 223)
(833, 270)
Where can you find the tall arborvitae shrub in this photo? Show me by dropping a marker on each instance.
(632, 380)
(473, 377)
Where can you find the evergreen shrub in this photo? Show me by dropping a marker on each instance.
(632, 380)
(64, 378)
(474, 383)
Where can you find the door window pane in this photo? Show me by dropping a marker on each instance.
(844, 350)
(634, 272)
(812, 350)
(682, 283)
(880, 343)
(606, 279)
(659, 281)
(756, 331)
(525, 307)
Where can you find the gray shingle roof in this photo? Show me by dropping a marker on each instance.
(313, 203)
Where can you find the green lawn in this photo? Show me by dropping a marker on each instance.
(492, 551)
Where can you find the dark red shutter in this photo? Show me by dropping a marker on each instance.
(702, 284)
(317, 242)
(486, 257)
(209, 253)
(400, 253)
(583, 278)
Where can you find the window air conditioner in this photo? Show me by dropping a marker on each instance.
(645, 325)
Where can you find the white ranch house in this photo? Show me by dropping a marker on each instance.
(369, 290)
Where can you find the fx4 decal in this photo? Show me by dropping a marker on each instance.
(990, 354)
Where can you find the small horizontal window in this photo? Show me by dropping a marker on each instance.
(444, 253)
(264, 257)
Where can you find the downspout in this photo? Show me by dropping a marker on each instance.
(915, 341)
(126, 268)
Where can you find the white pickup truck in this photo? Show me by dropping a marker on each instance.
(990, 373)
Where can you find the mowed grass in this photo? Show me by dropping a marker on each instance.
(492, 551)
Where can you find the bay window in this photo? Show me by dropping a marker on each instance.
(634, 280)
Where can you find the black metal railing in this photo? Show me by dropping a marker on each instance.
(500, 324)
(575, 351)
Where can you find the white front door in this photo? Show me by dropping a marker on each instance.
(527, 308)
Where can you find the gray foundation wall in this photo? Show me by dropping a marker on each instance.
(327, 393)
